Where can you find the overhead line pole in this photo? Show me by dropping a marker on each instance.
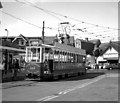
(43, 36)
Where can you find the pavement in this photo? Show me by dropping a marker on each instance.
(15, 84)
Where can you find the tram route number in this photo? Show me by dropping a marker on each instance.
(32, 68)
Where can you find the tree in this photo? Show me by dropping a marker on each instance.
(68, 38)
(96, 52)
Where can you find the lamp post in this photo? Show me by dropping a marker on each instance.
(7, 34)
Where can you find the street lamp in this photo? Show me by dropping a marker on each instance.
(7, 34)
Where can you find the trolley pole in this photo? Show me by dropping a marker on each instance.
(43, 32)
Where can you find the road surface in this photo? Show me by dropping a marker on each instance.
(96, 85)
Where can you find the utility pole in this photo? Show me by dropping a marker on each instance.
(43, 32)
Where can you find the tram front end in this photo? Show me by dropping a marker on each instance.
(33, 61)
(33, 70)
(37, 66)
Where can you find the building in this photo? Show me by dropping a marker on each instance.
(7, 52)
(90, 46)
(23, 41)
(110, 53)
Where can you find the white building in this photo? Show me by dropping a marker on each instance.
(109, 53)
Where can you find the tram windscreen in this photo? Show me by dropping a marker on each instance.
(33, 54)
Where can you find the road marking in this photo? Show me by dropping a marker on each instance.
(71, 89)
(45, 98)
(50, 98)
(82, 85)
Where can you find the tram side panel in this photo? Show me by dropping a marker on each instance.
(53, 69)
(68, 68)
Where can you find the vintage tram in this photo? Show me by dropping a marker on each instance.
(53, 61)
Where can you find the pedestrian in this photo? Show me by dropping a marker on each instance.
(22, 62)
(3, 66)
(15, 68)
(46, 66)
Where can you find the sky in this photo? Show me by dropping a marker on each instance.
(88, 19)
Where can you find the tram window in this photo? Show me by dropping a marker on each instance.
(77, 58)
(60, 57)
(73, 55)
(33, 55)
(65, 57)
(56, 56)
(71, 58)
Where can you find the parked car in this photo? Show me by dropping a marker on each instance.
(87, 67)
(113, 66)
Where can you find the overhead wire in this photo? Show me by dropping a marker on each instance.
(26, 21)
(49, 12)
(20, 19)
(70, 18)
(45, 10)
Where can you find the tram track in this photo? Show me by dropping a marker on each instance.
(47, 98)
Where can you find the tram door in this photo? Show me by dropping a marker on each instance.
(50, 61)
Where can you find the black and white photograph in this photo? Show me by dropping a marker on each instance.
(59, 51)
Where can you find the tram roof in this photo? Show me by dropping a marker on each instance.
(70, 49)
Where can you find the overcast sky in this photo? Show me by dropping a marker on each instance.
(79, 15)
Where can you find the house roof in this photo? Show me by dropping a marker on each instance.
(23, 37)
(97, 42)
(105, 46)
(116, 46)
(10, 44)
(20, 37)
(88, 46)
